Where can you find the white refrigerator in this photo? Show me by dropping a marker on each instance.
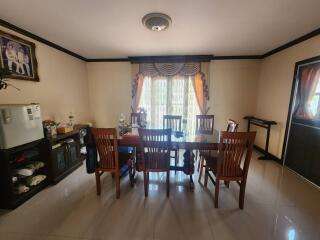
(19, 124)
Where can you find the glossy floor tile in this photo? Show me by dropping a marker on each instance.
(279, 205)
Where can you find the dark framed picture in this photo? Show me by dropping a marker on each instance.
(18, 55)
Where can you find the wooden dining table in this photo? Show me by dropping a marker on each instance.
(186, 142)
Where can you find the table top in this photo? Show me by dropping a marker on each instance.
(195, 141)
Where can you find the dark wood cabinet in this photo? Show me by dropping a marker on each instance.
(59, 160)
(73, 152)
(60, 156)
(17, 158)
(64, 155)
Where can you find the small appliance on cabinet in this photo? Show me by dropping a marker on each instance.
(19, 124)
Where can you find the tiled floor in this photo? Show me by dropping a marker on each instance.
(278, 205)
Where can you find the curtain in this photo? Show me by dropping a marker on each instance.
(198, 71)
(137, 92)
(308, 84)
(199, 91)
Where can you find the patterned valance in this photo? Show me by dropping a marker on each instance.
(198, 70)
(169, 69)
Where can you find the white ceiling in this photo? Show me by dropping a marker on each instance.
(113, 29)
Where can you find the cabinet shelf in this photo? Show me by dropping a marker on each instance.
(9, 199)
(15, 165)
(21, 198)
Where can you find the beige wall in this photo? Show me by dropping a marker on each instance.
(109, 91)
(274, 88)
(233, 93)
(100, 92)
(62, 87)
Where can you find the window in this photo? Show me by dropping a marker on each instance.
(173, 96)
(315, 102)
(308, 93)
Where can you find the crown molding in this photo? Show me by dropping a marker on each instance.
(108, 60)
(171, 59)
(39, 39)
(292, 43)
(237, 57)
(148, 59)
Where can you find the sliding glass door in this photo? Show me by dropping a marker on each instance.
(172, 96)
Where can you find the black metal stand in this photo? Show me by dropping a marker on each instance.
(264, 124)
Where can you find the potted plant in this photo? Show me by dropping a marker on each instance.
(4, 73)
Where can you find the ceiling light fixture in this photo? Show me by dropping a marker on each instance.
(156, 21)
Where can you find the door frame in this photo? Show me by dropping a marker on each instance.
(294, 89)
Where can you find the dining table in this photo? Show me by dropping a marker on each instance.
(188, 142)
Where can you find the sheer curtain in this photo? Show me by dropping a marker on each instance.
(308, 106)
(170, 95)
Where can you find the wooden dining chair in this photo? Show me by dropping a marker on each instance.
(109, 161)
(204, 124)
(155, 153)
(174, 122)
(135, 119)
(232, 126)
(228, 165)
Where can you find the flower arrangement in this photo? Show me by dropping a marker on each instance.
(123, 125)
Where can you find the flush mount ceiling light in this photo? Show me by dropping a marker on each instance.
(156, 21)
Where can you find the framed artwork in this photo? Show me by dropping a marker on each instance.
(18, 55)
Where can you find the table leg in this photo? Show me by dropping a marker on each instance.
(188, 166)
(191, 183)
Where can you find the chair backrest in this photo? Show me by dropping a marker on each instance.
(232, 146)
(107, 145)
(204, 124)
(232, 125)
(135, 119)
(173, 122)
(155, 148)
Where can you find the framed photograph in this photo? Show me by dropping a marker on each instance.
(18, 55)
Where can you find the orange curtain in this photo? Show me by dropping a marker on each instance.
(308, 85)
(138, 93)
(198, 88)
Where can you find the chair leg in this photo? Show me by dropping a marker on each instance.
(175, 160)
(201, 160)
(197, 154)
(216, 193)
(205, 177)
(131, 173)
(168, 183)
(98, 184)
(242, 193)
(227, 183)
(145, 181)
(117, 177)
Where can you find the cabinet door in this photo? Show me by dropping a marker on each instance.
(73, 153)
(59, 160)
